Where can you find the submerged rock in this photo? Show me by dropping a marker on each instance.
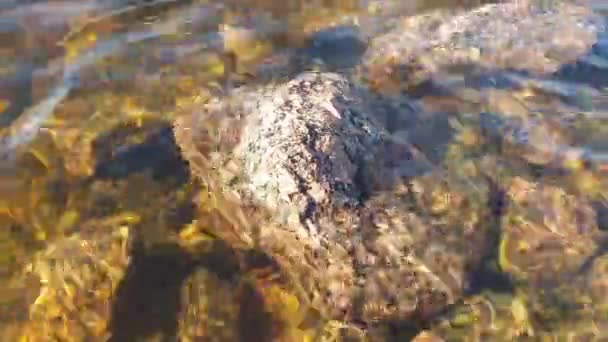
(367, 241)
(515, 35)
(315, 136)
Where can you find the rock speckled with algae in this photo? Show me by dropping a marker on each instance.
(372, 231)
(309, 142)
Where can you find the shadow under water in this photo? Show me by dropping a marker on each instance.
(149, 299)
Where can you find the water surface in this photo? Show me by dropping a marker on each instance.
(88, 91)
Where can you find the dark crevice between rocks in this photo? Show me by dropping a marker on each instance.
(601, 209)
(489, 276)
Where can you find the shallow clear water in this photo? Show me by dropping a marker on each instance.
(88, 91)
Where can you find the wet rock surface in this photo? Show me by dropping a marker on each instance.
(376, 244)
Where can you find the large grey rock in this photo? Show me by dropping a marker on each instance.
(354, 218)
(308, 142)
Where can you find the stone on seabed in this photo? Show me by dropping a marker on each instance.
(517, 35)
(369, 242)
